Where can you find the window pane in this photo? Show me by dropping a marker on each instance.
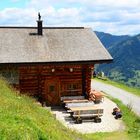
(51, 89)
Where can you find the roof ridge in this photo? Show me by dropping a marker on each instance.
(31, 27)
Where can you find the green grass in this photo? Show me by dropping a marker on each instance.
(131, 120)
(21, 118)
(134, 91)
(110, 136)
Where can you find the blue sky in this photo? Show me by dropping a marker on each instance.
(112, 16)
(12, 4)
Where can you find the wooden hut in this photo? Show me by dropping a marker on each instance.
(50, 62)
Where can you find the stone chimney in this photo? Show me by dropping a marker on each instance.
(39, 25)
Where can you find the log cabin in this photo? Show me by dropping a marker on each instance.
(50, 62)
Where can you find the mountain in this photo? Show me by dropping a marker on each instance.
(109, 40)
(126, 53)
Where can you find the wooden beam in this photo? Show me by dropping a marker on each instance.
(84, 81)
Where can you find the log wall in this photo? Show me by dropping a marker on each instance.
(32, 79)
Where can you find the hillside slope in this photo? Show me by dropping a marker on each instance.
(108, 39)
(126, 66)
(21, 118)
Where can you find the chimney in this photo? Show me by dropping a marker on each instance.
(39, 25)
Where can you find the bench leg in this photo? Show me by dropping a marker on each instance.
(63, 105)
(78, 120)
(71, 114)
(97, 119)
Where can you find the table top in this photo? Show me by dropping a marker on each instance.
(84, 108)
(76, 101)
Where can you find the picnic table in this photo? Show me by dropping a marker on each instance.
(66, 103)
(79, 104)
(72, 99)
(63, 98)
(86, 111)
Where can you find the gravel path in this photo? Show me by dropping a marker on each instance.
(108, 124)
(126, 97)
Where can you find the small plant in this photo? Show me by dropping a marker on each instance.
(129, 106)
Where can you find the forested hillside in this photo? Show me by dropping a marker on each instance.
(126, 53)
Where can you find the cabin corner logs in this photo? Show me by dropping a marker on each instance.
(50, 82)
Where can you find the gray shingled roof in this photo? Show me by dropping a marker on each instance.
(17, 45)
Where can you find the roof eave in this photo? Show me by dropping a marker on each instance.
(60, 62)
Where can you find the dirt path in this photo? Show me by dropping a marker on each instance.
(126, 97)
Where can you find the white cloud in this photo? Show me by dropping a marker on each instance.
(117, 17)
(16, 16)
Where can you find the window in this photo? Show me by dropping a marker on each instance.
(72, 86)
(51, 88)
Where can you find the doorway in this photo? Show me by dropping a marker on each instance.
(52, 91)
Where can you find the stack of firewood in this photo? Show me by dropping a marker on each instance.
(95, 96)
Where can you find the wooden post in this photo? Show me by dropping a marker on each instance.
(84, 81)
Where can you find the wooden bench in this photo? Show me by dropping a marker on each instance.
(71, 99)
(63, 98)
(78, 113)
(79, 104)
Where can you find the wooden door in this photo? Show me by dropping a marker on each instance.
(52, 92)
